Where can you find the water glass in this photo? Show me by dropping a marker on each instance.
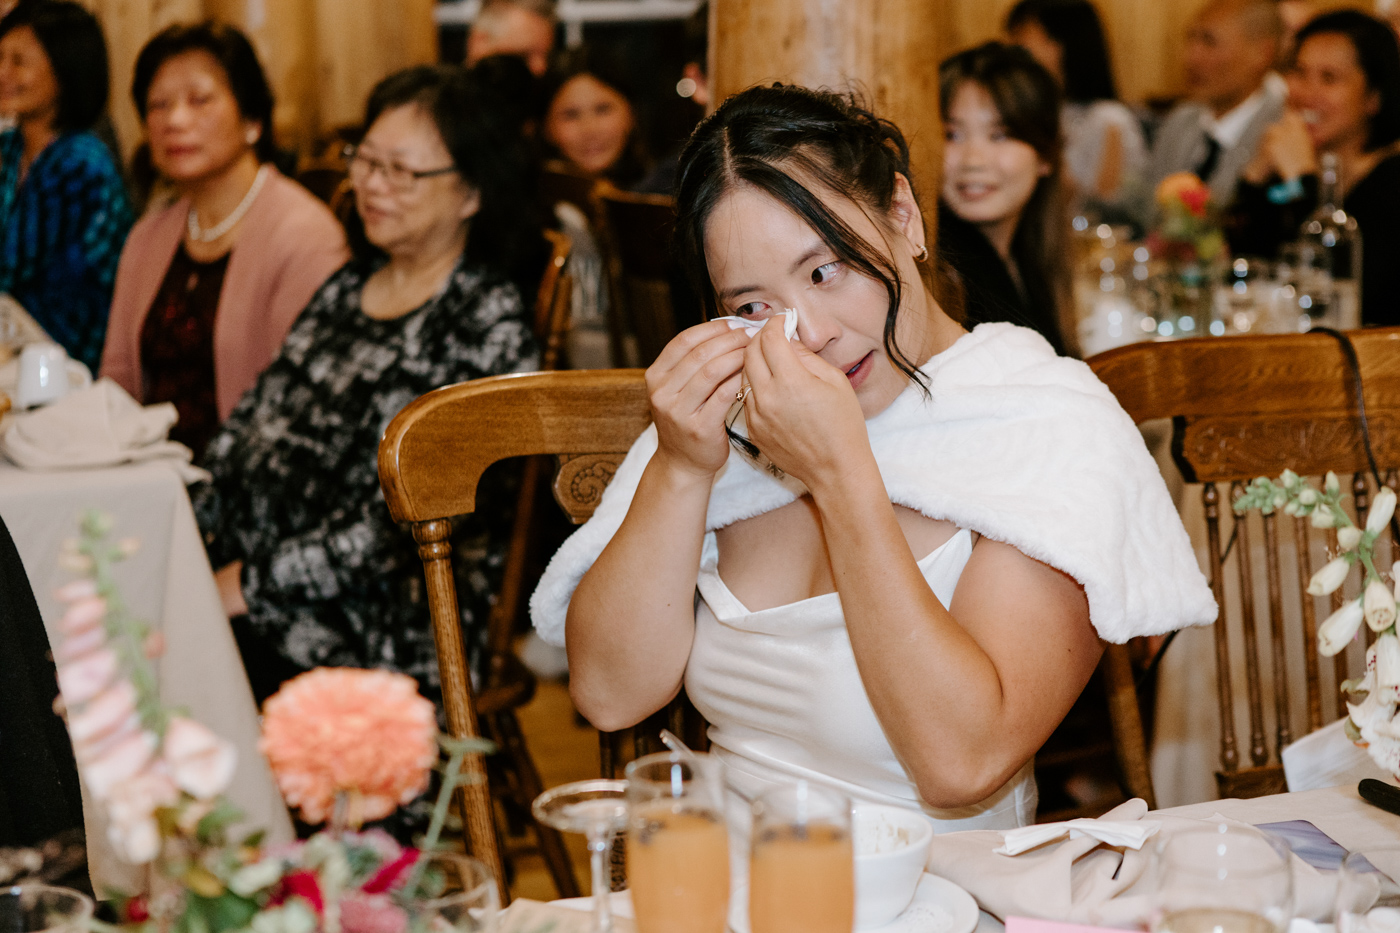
(802, 864)
(44, 908)
(677, 843)
(1368, 899)
(1222, 879)
(458, 894)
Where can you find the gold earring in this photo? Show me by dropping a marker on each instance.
(923, 253)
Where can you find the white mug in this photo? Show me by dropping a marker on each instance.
(46, 374)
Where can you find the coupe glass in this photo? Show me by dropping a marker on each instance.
(40, 908)
(1222, 880)
(802, 867)
(598, 809)
(677, 844)
(1368, 899)
(457, 893)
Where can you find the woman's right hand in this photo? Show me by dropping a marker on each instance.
(691, 387)
(1286, 150)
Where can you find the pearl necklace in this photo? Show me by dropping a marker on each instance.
(200, 235)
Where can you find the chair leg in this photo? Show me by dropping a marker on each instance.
(1129, 741)
(527, 786)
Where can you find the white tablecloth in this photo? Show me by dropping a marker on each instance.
(169, 584)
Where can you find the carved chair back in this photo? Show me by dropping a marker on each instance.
(1252, 406)
(639, 229)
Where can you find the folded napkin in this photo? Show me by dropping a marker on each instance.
(1084, 880)
(789, 323)
(527, 916)
(97, 426)
(1130, 835)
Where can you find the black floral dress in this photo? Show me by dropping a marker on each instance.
(328, 577)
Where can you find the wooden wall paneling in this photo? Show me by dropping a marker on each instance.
(359, 42)
(887, 49)
(284, 34)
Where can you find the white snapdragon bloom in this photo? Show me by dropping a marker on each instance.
(1382, 508)
(1348, 538)
(1339, 629)
(1330, 577)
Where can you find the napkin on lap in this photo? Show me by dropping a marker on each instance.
(1082, 880)
(1110, 832)
(97, 426)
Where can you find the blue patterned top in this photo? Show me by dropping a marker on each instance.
(61, 234)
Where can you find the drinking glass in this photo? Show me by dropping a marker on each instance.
(677, 844)
(1368, 899)
(1222, 879)
(598, 809)
(802, 864)
(458, 894)
(44, 908)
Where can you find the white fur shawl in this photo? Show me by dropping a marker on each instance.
(1014, 443)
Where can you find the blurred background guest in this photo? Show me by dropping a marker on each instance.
(1293, 15)
(1231, 47)
(1344, 99)
(209, 285)
(590, 123)
(1001, 212)
(64, 213)
(1105, 152)
(311, 567)
(514, 27)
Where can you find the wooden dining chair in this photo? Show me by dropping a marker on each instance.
(1250, 406)
(638, 230)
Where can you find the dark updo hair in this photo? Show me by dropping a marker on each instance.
(1027, 97)
(634, 162)
(72, 39)
(1378, 55)
(234, 53)
(775, 138)
(1075, 27)
(489, 154)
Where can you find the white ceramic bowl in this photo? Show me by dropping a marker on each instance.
(891, 846)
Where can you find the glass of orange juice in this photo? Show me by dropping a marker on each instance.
(677, 844)
(802, 862)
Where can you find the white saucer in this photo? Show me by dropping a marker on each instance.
(939, 906)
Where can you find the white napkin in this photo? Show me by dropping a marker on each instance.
(97, 426)
(1110, 832)
(753, 327)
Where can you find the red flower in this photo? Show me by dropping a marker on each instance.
(137, 911)
(1195, 200)
(300, 883)
(391, 873)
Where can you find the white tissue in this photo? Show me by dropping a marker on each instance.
(753, 327)
(1130, 834)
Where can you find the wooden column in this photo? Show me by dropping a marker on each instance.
(887, 49)
(359, 42)
(284, 34)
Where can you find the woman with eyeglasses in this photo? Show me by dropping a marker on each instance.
(310, 566)
(208, 286)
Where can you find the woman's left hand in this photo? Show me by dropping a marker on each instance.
(229, 579)
(802, 412)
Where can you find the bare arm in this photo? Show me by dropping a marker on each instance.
(966, 693)
(632, 618)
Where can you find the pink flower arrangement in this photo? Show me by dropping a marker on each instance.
(1187, 230)
(365, 733)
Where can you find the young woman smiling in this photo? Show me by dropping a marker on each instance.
(1001, 213)
(1344, 98)
(904, 590)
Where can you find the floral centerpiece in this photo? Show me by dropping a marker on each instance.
(1189, 241)
(1374, 699)
(345, 745)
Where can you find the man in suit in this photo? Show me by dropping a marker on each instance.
(1234, 96)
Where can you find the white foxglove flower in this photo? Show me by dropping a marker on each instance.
(1379, 603)
(137, 843)
(1308, 497)
(1332, 484)
(1387, 661)
(1288, 479)
(83, 679)
(1382, 508)
(118, 763)
(1322, 517)
(200, 762)
(1349, 537)
(99, 718)
(1330, 577)
(1339, 629)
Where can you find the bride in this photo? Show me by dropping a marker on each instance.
(884, 554)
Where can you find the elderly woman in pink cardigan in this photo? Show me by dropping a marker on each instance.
(208, 287)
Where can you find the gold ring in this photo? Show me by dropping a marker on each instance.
(743, 393)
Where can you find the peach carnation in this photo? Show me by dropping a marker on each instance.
(364, 732)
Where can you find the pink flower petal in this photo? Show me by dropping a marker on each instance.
(103, 713)
(83, 679)
(201, 762)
